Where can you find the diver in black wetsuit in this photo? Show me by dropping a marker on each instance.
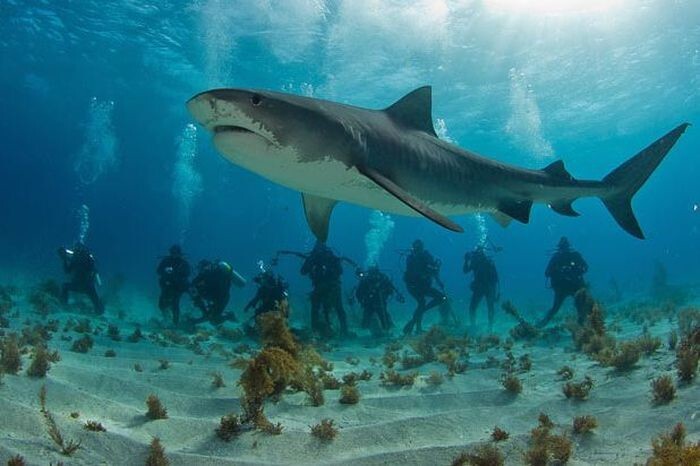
(324, 269)
(79, 263)
(173, 277)
(271, 294)
(373, 292)
(211, 290)
(565, 273)
(485, 283)
(422, 269)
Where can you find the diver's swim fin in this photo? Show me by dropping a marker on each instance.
(626, 180)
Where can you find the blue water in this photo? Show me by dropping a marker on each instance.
(93, 114)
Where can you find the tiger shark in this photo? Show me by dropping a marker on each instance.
(392, 160)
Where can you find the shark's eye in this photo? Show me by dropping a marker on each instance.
(255, 100)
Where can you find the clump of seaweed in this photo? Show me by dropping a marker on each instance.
(40, 362)
(546, 447)
(584, 424)
(138, 367)
(647, 344)
(672, 340)
(330, 382)
(511, 383)
(67, 448)
(17, 460)
(623, 358)
(435, 378)
(485, 454)
(156, 410)
(163, 364)
(687, 356)
(45, 297)
(349, 395)
(524, 330)
(94, 426)
(113, 332)
(671, 449)
(156, 454)
(136, 336)
(110, 353)
(229, 427)
(578, 390)
(663, 389)
(83, 326)
(525, 363)
(83, 344)
(10, 360)
(217, 380)
(324, 430)
(391, 378)
(499, 435)
(566, 373)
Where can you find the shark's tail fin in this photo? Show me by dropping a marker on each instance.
(626, 180)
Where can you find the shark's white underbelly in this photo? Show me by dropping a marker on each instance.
(327, 178)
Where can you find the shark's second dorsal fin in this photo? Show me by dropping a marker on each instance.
(414, 110)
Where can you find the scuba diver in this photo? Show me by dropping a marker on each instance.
(324, 269)
(485, 283)
(211, 290)
(173, 277)
(565, 274)
(271, 294)
(373, 292)
(422, 269)
(79, 263)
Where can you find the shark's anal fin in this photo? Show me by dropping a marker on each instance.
(518, 210)
(563, 208)
(408, 199)
(318, 212)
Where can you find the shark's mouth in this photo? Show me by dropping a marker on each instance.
(231, 129)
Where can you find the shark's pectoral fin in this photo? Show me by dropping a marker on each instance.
(564, 208)
(501, 218)
(318, 212)
(518, 210)
(408, 199)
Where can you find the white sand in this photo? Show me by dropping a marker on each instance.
(418, 425)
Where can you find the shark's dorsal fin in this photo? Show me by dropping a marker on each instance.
(318, 212)
(414, 110)
(558, 170)
(415, 204)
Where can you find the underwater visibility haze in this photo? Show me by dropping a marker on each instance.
(417, 303)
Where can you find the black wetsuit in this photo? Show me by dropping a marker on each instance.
(421, 270)
(565, 272)
(272, 291)
(373, 293)
(324, 269)
(484, 285)
(211, 291)
(80, 265)
(173, 272)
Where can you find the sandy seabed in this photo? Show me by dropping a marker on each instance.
(423, 424)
